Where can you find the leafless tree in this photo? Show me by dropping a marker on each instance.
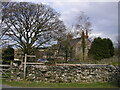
(83, 27)
(118, 46)
(82, 24)
(30, 25)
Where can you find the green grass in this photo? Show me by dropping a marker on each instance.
(110, 61)
(115, 63)
(58, 85)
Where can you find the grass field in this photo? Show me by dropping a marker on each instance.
(110, 61)
(58, 85)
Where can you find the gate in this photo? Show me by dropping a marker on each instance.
(5, 71)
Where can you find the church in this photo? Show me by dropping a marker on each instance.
(76, 45)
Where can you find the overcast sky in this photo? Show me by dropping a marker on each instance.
(103, 15)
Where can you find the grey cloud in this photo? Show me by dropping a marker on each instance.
(103, 15)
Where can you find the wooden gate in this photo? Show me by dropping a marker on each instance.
(5, 71)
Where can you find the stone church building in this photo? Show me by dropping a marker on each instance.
(77, 48)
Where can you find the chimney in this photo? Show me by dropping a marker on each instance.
(86, 34)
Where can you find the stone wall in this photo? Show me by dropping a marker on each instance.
(68, 73)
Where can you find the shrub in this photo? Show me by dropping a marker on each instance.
(101, 48)
(7, 55)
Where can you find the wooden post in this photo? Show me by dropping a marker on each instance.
(11, 69)
(25, 65)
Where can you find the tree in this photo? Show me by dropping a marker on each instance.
(101, 48)
(66, 47)
(83, 44)
(30, 25)
(83, 27)
(110, 46)
(119, 49)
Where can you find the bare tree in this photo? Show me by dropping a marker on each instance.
(30, 25)
(82, 24)
(118, 47)
(66, 47)
(83, 27)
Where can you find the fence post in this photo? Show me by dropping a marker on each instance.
(25, 65)
(11, 69)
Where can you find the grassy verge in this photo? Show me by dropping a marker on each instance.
(58, 85)
(115, 63)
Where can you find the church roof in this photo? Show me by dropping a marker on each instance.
(74, 41)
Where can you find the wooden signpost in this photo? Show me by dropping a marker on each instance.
(25, 61)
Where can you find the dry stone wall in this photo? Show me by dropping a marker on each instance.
(68, 73)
